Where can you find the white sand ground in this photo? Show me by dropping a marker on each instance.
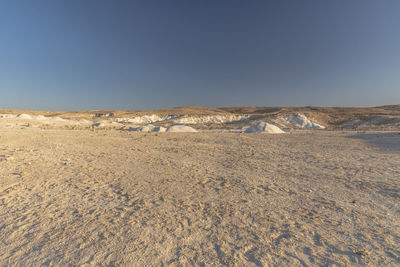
(308, 198)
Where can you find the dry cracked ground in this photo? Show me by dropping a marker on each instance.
(308, 198)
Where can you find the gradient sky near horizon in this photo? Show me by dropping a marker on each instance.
(94, 54)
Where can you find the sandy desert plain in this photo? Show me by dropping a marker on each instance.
(111, 188)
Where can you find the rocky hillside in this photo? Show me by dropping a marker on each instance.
(331, 118)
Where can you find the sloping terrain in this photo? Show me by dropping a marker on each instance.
(375, 118)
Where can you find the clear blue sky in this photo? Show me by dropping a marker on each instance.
(93, 54)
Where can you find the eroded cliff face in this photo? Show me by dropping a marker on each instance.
(378, 118)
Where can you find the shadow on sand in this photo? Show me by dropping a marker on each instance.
(385, 141)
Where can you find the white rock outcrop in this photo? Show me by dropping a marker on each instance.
(211, 119)
(300, 120)
(263, 127)
(148, 128)
(181, 129)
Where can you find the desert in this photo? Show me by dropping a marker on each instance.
(200, 133)
(114, 188)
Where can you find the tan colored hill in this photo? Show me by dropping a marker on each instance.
(383, 118)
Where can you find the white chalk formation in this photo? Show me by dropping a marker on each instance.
(211, 119)
(180, 128)
(149, 128)
(146, 119)
(301, 121)
(263, 127)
